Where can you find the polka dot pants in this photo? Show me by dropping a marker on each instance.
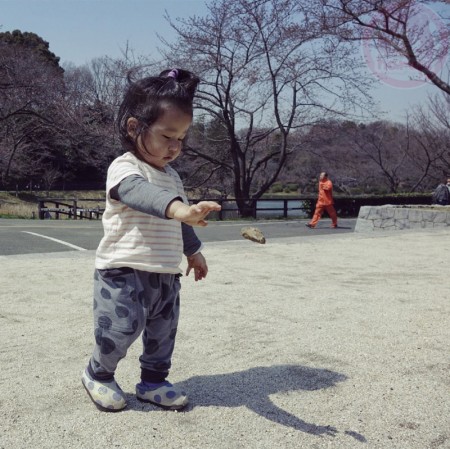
(129, 302)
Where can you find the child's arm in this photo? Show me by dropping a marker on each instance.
(198, 263)
(191, 243)
(143, 196)
(139, 194)
(192, 247)
(193, 215)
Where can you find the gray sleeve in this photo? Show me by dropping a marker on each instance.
(143, 196)
(191, 243)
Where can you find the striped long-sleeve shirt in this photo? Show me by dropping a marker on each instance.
(134, 238)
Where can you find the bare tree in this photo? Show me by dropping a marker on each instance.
(431, 123)
(109, 76)
(267, 68)
(386, 147)
(398, 28)
(373, 156)
(87, 113)
(31, 84)
(328, 146)
(55, 123)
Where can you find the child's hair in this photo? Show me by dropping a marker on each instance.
(146, 98)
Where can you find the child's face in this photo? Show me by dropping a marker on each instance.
(161, 142)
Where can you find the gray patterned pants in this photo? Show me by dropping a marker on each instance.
(127, 302)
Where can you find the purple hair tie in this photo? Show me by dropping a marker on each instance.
(173, 74)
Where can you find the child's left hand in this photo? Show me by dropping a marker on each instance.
(198, 263)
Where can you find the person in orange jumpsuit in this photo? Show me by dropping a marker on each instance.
(324, 202)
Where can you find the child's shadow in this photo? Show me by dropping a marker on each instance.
(252, 388)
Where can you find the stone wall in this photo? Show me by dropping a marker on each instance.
(395, 217)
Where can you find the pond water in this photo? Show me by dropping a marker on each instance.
(269, 209)
(294, 208)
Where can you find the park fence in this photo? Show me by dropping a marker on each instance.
(76, 209)
(293, 207)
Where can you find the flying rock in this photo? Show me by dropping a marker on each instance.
(253, 234)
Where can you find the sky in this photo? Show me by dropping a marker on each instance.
(79, 30)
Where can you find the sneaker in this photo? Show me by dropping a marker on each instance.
(309, 226)
(107, 396)
(163, 394)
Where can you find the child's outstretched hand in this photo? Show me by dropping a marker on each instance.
(198, 263)
(192, 215)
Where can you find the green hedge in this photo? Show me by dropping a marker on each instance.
(349, 206)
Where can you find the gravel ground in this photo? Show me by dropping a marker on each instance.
(310, 342)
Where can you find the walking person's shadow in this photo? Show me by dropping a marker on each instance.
(252, 388)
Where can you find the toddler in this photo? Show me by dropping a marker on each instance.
(147, 227)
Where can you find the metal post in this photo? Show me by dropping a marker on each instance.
(41, 204)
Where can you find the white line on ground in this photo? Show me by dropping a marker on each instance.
(56, 240)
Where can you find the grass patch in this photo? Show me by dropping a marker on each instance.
(25, 204)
